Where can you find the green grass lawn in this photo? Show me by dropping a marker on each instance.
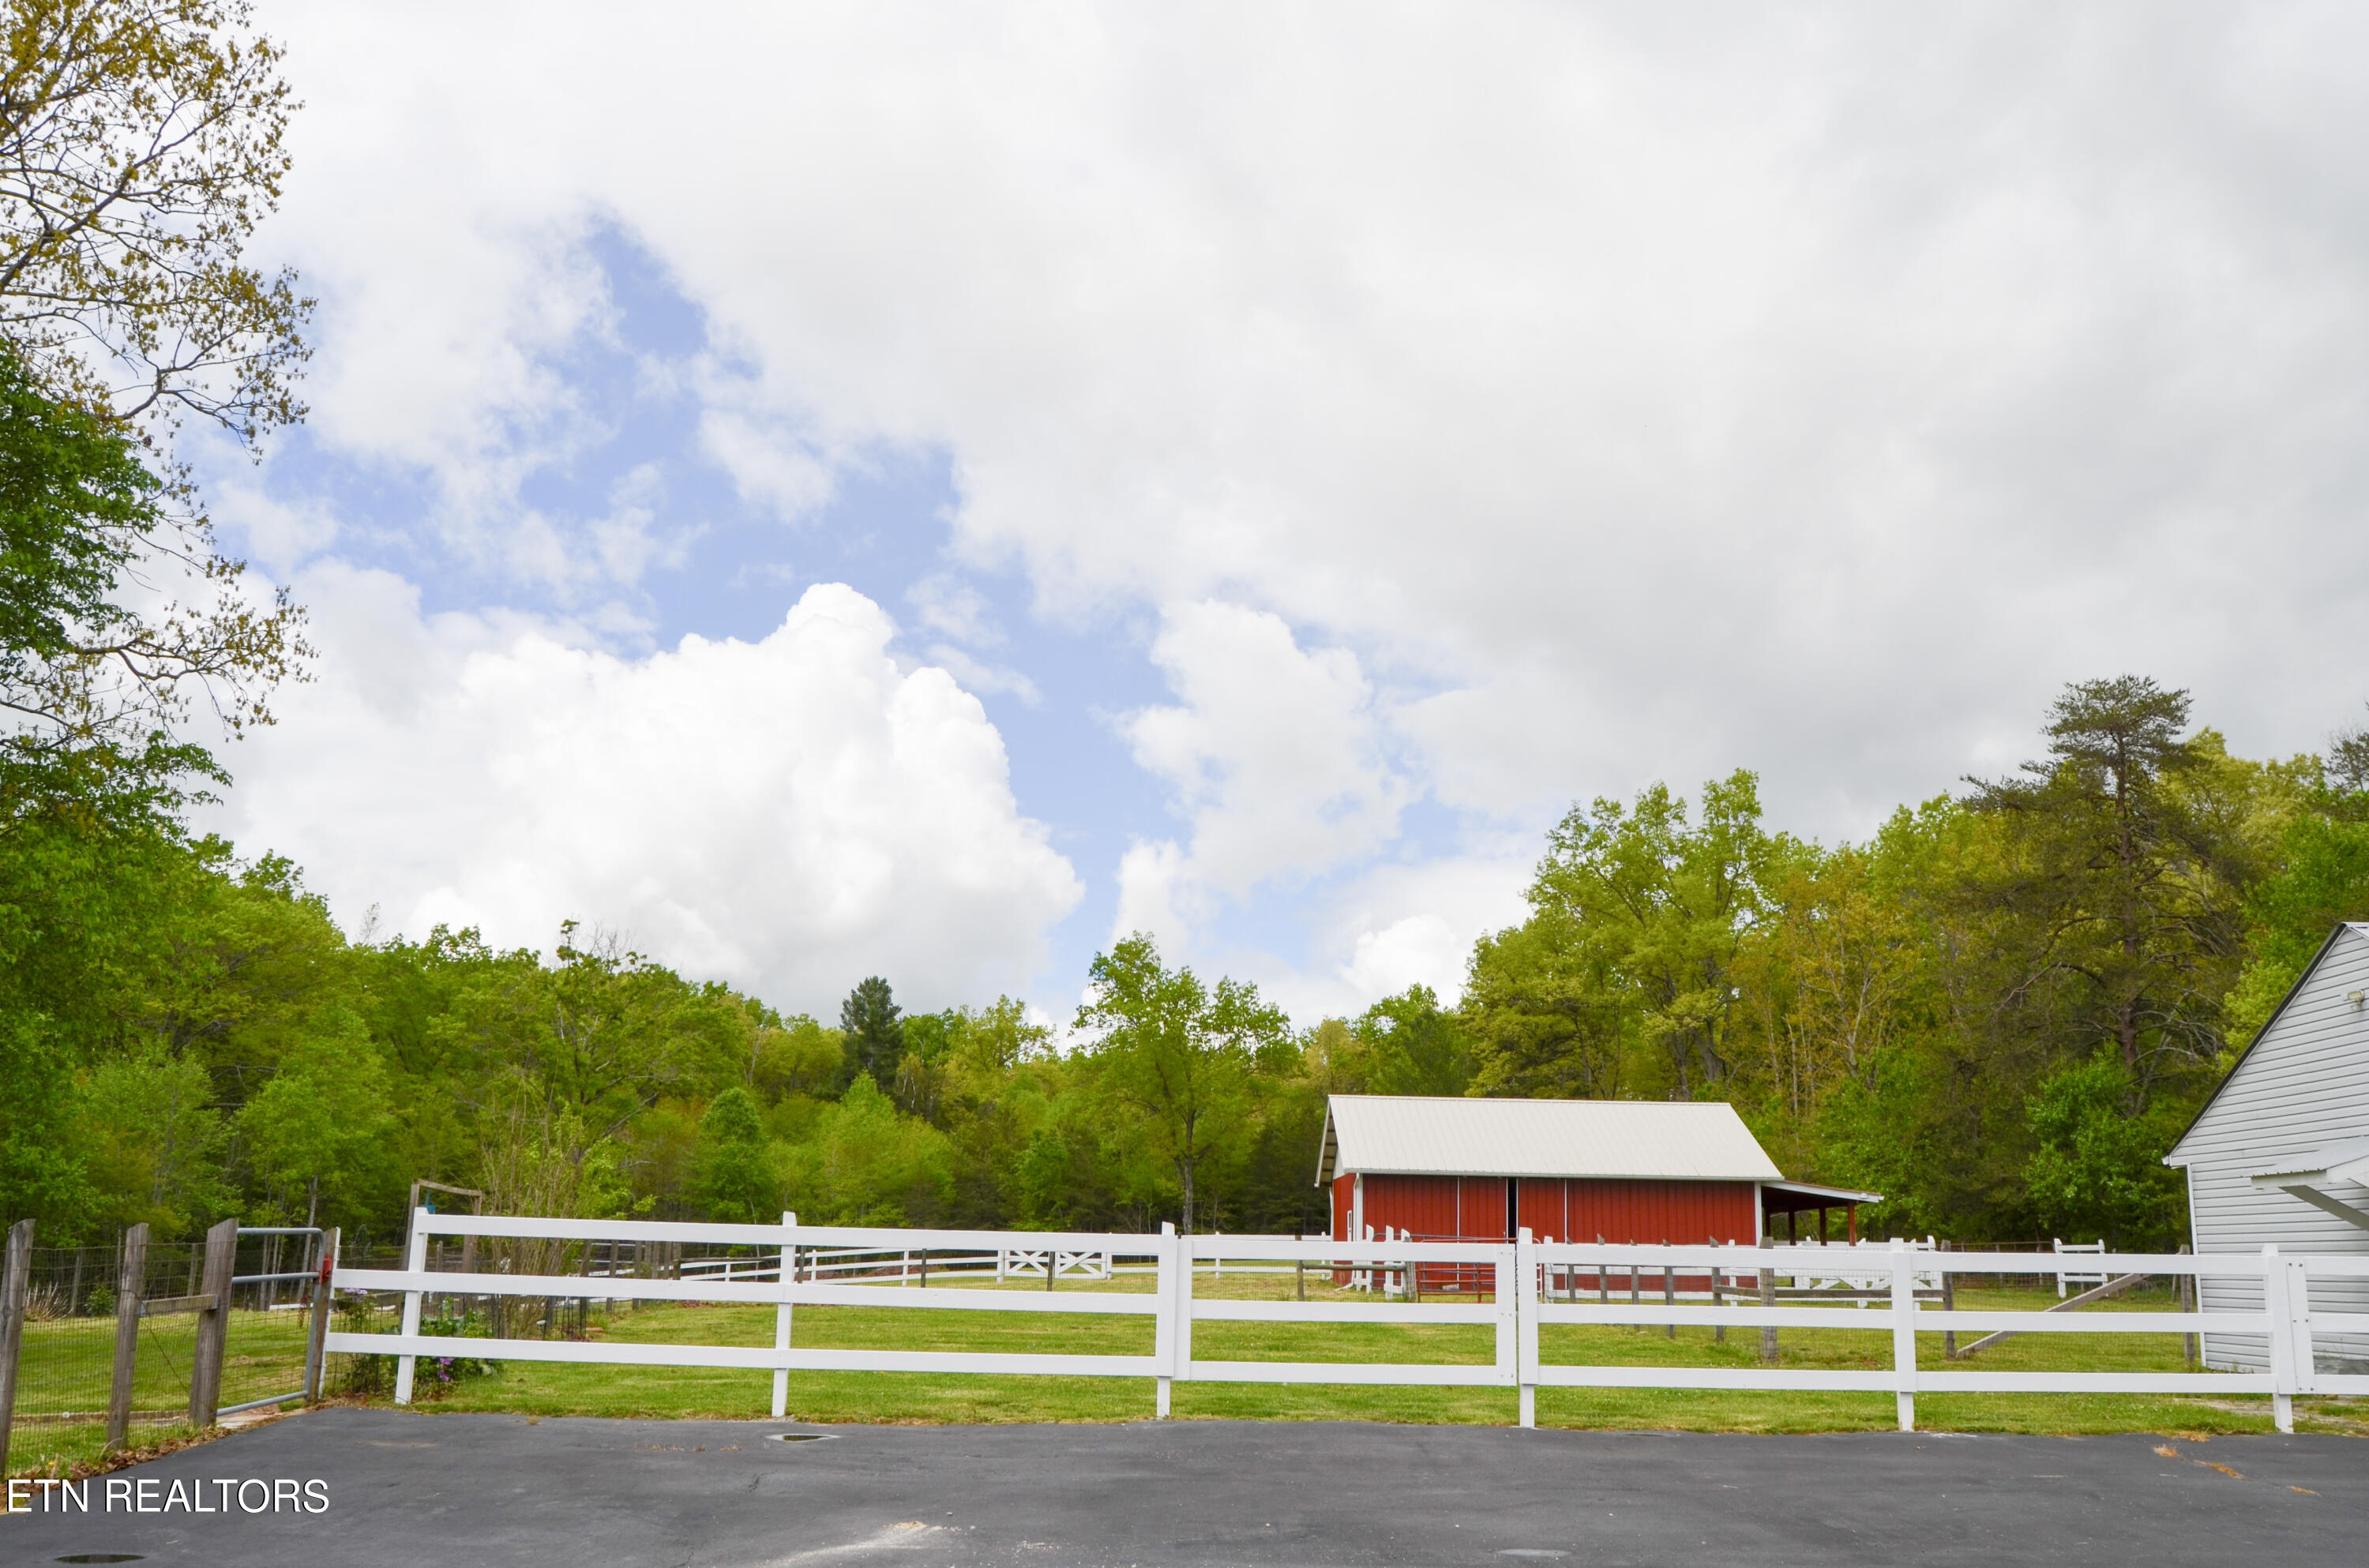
(68, 1364)
(553, 1389)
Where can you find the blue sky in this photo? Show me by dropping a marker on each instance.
(1056, 685)
(961, 492)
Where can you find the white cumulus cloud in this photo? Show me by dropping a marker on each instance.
(1274, 754)
(1662, 388)
(790, 813)
(1814, 387)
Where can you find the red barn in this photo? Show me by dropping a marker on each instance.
(1633, 1171)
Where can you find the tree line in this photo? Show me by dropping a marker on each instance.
(1999, 1011)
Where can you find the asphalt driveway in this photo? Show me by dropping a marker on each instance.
(406, 1489)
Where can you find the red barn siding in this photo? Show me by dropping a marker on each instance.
(1648, 1213)
(1625, 1211)
(1545, 1207)
(1428, 1206)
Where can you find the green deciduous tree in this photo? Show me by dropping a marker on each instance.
(2348, 772)
(141, 144)
(1176, 1052)
(2099, 1170)
(320, 1133)
(1402, 1044)
(157, 1142)
(792, 1056)
(736, 1169)
(866, 1165)
(2320, 877)
(1619, 980)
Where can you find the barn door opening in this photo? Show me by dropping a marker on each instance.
(1513, 1205)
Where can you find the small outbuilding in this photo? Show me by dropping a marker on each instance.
(2279, 1154)
(1632, 1172)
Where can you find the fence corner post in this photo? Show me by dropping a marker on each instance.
(782, 1314)
(131, 1287)
(316, 1343)
(2279, 1306)
(415, 1261)
(15, 1287)
(214, 1323)
(1904, 1334)
(1164, 1322)
(1525, 1323)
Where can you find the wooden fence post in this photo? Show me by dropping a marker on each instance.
(214, 1323)
(16, 1284)
(316, 1344)
(1669, 1298)
(131, 1289)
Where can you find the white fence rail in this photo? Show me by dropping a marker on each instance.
(1698, 1286)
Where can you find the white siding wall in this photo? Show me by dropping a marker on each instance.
(2304, 1086)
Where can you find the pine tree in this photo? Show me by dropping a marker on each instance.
(875, 1035)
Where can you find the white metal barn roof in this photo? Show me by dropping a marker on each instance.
(1649, 1139)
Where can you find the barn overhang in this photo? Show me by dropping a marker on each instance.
(2308, 1177)
(1795, 1198)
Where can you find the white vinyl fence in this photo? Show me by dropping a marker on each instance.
(1558, 1283)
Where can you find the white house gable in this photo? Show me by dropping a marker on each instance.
(2294, 1114)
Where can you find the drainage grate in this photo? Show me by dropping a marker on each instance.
(802, 1436)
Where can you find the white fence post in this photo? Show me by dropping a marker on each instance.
(415, 1259)
(2299, 1322)
(1164, 1322)
(1526, 1324)
(1183, 1307)
(1904, 1334)
(1506, 1271)
(1523, 1301)
(782, 1313)
(2279, 1306)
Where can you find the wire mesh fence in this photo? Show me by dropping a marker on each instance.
(66, 1356)
(68, 1347)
